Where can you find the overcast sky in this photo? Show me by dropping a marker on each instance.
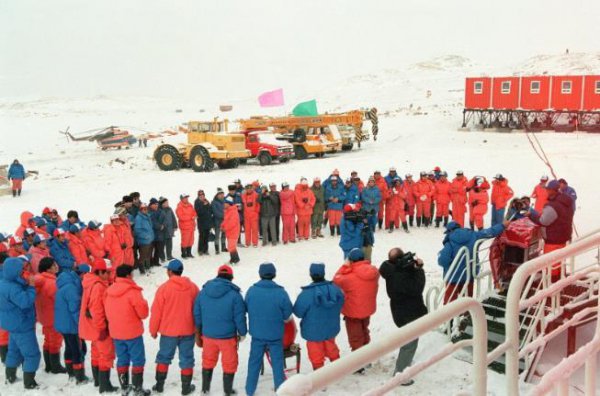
(235, 49)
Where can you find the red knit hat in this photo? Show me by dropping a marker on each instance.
(225, 269)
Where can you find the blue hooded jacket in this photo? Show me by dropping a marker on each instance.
(142, 229)
(61, 253)
(352, 195)
(218, 211)
(17, 299)
(16, 171)
(352, 235)
(338, 192)
(67, 302)
(268, 306)
(319, 306)
(370, 197)
(389, 179)
(458, 237)
(219, 310)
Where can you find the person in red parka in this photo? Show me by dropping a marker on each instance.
(409, 207)
(394, 207)
(117, 241)
(38, 251)
(540, 194)
(458, 197)
(172, 315)
(76, 245)
(478, 201)
(186, 216)
(359, 280)
(93, 325)
(251, 215)
(423, 193)
(27, 221)
(305, 201)
(231, 227)
(94, 240)
(501, 194)
(383, 189)
(15, 247)
(126, 308)
(45, 290)
(442, 199)
(288, 213)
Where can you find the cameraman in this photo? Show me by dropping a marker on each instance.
(355, 229)
(404, 283)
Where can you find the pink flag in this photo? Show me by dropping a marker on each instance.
(271, 98)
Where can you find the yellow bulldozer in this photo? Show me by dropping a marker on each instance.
(208, 143)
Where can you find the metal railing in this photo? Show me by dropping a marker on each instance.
(306, 384)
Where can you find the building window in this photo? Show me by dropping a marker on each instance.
(597, 90)
(565, 87)
(505, 88)
(478, 87)
(534, 87)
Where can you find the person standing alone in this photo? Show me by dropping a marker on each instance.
(16, 174)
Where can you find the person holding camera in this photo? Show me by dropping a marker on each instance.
(269, 203)
(352, 225)
(404, 284)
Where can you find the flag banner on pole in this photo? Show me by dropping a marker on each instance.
(271, 98)
(308, 108)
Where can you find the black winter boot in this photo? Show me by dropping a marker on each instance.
(189, 252)
(338, 230)
(223, 247)
(472, 224)
(445, 221)
(137, 380)
(3, 352)
(216, 248)
(80, 377)
(95, 372)
(56, 367)
(391, 228)
(47, 363)
(411, 220)
(124, 381)
(228, 384)
(19, 196)
(418, 221)
(405, 226)
(29, 381)
(206, 379)
(186, 384)
(380, 223)
(183, 252)
(438, 220)
(427, 221)
(14, 193)
(159, 387)
(11, 375)
(332, 230)
(69, 367)
(104, 380)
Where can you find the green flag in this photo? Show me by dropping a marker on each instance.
(306, 109)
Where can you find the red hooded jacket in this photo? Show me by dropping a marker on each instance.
(78, 250)
(186, 215)
(442, 191)
(172, 308)
(360, 282)
(37, 254)
(125, 308)
(288, 202)
(501, 193)
(94, 242)
(423, 188)
(458, 191)
(45, 290)
(114, 237)
(231, 222)
(251, 204)
(92, 317)
(301, 194)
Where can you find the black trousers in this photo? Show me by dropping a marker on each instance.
(159, 252)
(74, 348)
(169, 248)
(203, 240)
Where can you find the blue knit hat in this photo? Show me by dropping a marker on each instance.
(317, 269)
(266, 270)
(174, 265)
(356, 254)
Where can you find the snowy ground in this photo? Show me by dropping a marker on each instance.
(417, 134)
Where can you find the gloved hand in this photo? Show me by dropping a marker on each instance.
(305, 200)
(474, 203)
(123, 246)
(423, 198)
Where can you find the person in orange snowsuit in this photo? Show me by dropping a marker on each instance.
(15, 247)
(394, 206)
(27, 221)
(288, 214)
(186, 216)
(383, 189)
(305, 201)
(442, 199)
(231, 227)
(93, 240)
(77, 246)
(251, 215)
(93, 325)
(501, 194)
(118, 241)
(458, 197)
(540, 194)
(409, 207)
(478, 201)
(423, 193)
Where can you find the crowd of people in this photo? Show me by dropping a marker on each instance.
(75, 278)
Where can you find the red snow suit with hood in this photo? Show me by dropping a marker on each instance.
(125, 309)
(360, 282)
(458, 197)
(231, 227)
(442, 197)
(186, 215)
(172, 312)
(251, 213)
(501, 193)
(115, 237)
(94, 242)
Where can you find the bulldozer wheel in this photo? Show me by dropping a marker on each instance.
(300, 152)
(200, 160)
(299, 135)
(167, 158)
(235, 162)
(265, 158)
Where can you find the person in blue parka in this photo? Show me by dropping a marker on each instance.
(144, 237)
(269, 307)
(17, 316)
(59, 249)
(67, 305)
(319, 306)
(352, 193)
(220, 317)
(354, 227)
(370, 198)
(335, 195)
(457, 237)
(17, 174)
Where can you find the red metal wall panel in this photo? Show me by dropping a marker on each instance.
(478, 93)
(505, 93)
(567, 93)
(591, 93)
(535, 93)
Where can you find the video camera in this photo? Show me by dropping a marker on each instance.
(359, 216)
(408, 259)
